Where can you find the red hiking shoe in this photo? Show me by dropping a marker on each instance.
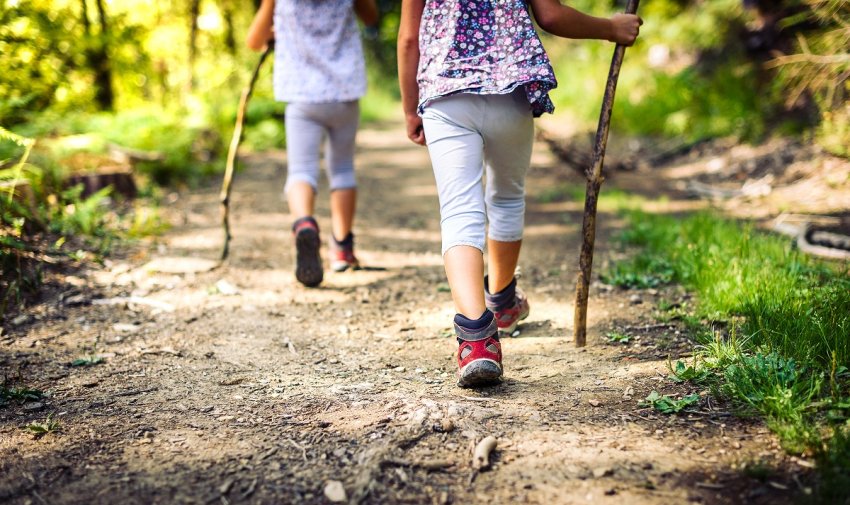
(508, 319)
(342, 256)
(479, 356)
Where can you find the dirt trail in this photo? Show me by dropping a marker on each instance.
(241, 386)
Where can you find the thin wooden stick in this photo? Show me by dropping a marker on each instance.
(224, 195)
(594, 182)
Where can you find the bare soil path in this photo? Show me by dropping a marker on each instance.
(238, 385)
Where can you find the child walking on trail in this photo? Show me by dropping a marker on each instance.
(473, 75)
(319, 70)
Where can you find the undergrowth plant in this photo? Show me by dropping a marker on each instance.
(772, 325)
(44, 222)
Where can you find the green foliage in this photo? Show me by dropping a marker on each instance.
(695, 104)
(20, 394)
(42, 221)
(682, 372)
(667, 404)
(820, 69)
(834, 464)
(690, 75)
(789, 304)
(640, 272)
(39, 429)
(774, 326)
(618, 338)
(87, 361)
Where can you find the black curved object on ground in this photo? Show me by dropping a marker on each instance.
(825, 242)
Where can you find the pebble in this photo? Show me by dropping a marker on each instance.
(515, 333)
(335, 492)
(33, 407)
(635, 300)
(602, 471)
(226, 288)
(444, 426)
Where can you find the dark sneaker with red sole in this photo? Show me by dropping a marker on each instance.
(308, 262)
(479, 356)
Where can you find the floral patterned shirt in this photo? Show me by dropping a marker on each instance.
(483, 47)
(318, 53)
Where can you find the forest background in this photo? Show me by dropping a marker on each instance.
(112, 87)
(156, 85)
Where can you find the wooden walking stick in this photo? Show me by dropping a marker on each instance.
(224, 195)
(594, 182)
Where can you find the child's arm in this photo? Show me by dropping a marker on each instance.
(261, 32)
(408, 63)
(367, 11)
(567, 22)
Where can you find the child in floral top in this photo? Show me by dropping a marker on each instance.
(473, 74)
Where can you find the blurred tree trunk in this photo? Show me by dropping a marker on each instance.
(229, 30)
(194, 12)
(85, 18)
(97, 55)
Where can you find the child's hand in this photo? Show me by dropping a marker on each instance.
(415, 132)
(625, 28)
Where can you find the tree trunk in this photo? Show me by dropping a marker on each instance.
(229, 30)
(194, 12)
(104, 95)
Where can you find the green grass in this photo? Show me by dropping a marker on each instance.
(666, 404)
(20, 394)
(773, 326)
(38, 429)
(615, 337)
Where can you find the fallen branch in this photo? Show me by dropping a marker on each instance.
(301, 448)
(481, 454)
(134, 392)
(134, 300)
(433, 464)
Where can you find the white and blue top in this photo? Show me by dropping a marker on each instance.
(318, 53)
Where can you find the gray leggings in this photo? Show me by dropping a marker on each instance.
(307, 125)
(471, 137)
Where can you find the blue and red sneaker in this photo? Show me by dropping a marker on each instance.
(308, 262)
(510, 306)
(479, 356)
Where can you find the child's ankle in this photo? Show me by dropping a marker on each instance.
(501, 300)
(475, 329)
(347, 242)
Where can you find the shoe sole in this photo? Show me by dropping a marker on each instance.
(308, 263)
(343, 266)
(481, 372)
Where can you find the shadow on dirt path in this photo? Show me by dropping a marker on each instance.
(238, 385)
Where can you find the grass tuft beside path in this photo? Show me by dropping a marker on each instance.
(773, 327)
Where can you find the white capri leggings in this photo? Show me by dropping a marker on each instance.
(307, 125)
(468, 135)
